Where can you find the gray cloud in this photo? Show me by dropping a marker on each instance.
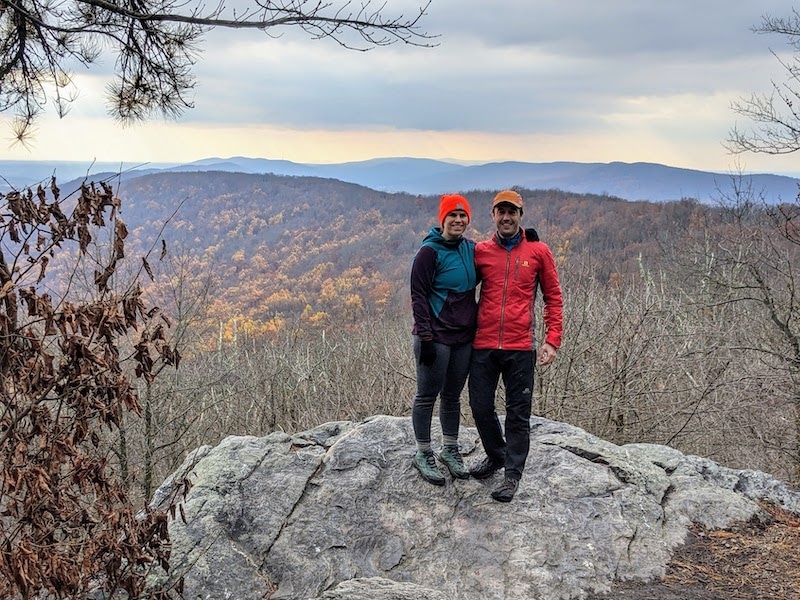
(503, 66)
(616, 27)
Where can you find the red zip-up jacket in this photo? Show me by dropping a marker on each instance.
(509, 279)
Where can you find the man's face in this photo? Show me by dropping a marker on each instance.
(506, 218)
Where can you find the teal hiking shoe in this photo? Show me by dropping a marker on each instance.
(451, 458)
(425, 463)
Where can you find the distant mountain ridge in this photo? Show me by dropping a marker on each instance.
(420, 176)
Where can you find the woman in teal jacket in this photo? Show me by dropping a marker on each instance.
(443, 304)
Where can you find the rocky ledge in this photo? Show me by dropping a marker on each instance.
(338, 512)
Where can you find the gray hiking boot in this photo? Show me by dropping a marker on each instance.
(506, 490)
(451, 458)
(485, 468)
(425, 463)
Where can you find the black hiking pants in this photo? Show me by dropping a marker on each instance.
(516, 369)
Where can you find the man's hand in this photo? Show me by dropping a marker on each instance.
(547, 354)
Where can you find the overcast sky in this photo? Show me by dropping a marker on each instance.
(527, 80)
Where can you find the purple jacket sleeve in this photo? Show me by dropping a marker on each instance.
(423, 270)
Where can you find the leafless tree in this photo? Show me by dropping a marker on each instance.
(775, 116)
(738, 272)
(183, 289)
(632, 368)
(156, 44)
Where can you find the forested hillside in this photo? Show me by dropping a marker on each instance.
(284, 252)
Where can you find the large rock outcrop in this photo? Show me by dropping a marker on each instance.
(339, 512)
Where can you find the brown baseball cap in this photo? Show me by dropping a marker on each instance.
(508, 196)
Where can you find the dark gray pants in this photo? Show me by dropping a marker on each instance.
(516, 368)
(444, 379)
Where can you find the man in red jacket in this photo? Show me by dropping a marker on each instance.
(510, 267)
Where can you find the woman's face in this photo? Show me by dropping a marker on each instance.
(455, 224)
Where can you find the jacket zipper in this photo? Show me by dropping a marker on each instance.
(470, 280)
(503, 303)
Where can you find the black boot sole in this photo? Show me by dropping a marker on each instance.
(484, 474)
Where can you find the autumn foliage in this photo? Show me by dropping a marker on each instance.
(66, 525)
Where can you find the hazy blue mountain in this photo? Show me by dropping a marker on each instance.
(22, 173)
(631, 181)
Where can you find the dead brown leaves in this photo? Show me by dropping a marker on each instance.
(66, 526)
(756, 559)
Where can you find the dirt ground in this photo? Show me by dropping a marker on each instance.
(759, 559)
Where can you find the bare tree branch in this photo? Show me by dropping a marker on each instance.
(156, 44)
(775, 116)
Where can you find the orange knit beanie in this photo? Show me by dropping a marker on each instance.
(451, 202)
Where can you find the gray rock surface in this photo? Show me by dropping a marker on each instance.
(339, 512)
